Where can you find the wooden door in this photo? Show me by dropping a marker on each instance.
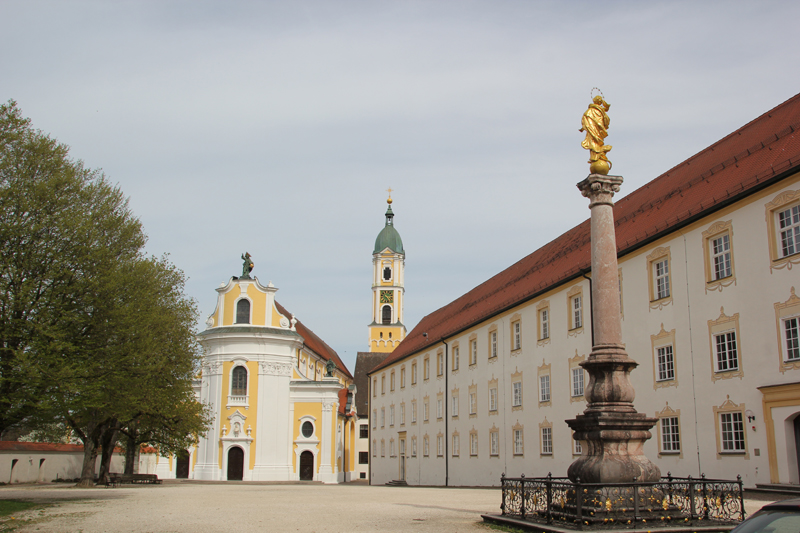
(235, 464)
(182, 465)
(307, 466)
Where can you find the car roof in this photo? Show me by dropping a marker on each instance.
(788, 505)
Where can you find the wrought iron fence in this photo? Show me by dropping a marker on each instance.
(670, 501)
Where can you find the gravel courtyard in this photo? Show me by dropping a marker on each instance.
(196, 507)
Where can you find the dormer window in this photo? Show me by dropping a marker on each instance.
(387, 273)
(243, 312)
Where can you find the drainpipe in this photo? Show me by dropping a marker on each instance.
(446, 418)
(591, 314)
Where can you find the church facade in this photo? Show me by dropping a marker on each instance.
(707, 254)
(282, 401)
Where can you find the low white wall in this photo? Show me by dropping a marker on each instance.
(42, 467)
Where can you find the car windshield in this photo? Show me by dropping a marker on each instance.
(771, 522)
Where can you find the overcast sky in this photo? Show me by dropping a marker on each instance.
(276, 127)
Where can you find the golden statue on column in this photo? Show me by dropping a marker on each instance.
(595, 123)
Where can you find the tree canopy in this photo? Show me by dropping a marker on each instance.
(93, 333)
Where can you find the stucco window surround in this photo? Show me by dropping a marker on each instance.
(516, 390)
(493, 398)
(426, 368)
(518, 439)
(386, 271)
(456, 356)
(403, 414)
(413, 374)
(440, 406)
(473, 401)
(473, 350)
(725, 347)
(731, 429)
(239, 400)
(784, 246)
(426, 409)
(391, 381)
(665, 370)
(454, 406)
(543, 375)
(473, 442)
(403, 376)
(669, 432)
(426, 445)
(383, 417)
(391, 415)
(546, 438)
(543, 323)
(456, 444)
(303, 443)
(659, 276)
(494, 341)
(577, 379)
(575, 307)
(241, 314)
(413, 412)
(494, 442)
(718, 261)
(440, 363)
(440, 445)
(515, 334)
(787, 323)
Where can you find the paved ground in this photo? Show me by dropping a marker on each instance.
(212, 507)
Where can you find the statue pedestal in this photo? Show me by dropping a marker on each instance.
(611, 432)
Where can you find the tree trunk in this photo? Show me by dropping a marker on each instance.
(109, 440)
(90, 443)
(131, 447)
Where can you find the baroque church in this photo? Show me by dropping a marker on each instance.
(707, 255)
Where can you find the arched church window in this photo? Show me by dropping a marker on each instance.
(387, 314)
(387, 274)
(239, 381)
(243, 312)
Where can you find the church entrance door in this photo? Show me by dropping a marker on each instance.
(306, 466)
(182, 465)
(235, 464)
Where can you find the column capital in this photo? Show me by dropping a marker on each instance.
(600, 189)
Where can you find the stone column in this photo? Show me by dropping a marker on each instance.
(610, 429)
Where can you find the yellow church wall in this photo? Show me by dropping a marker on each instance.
(259, 305)
(251, 413)
(302, 409)
(276, 317)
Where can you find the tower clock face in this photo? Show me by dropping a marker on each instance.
(387, 297)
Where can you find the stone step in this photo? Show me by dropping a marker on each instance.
(397, 483)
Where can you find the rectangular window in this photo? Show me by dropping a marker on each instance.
(414, 374)
(439, 408)
(577, 382)
(383, 448)
(402, 414)
(363, 458)
(517, 335)
(414, 447)
(455, 406)
(493, 399)
(383, 416)
(473, 354)
(547, 441)
(374, 387)
(363, 431)
(544, 388)
(666, 364)
(414, 412)
(391, 382)
(518, 449)
(374, 448)
(402, 378)
(789, 228)
(391, 448)
(425, 411)
(473, 444)
(440, 364)
(544, 321)
(426, 446)
(374, 418)
(455, 446)
(790, 330)
(517, 390)
(725, 346)
(473, 403)
(440, 446)
(493, 344)
(495, 441)
(455, 358)
(577, 312)
(720, 257)
(577, 448)
(383, 384)
(391, 415)
(670, 435)
(661, 278)
(732, 429)
(426, 369)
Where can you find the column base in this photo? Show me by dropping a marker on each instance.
(208, 472)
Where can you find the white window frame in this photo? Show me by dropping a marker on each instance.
(519, 443)
(414, 412)
(670, 434)
(665, 360)
(473, 357)
(455, 405)
(455, 358)
(439, 409)
(414, 373)
(516, 389)
(402, 414)
(790, 331)
(731, 428)
(494, 439)
(456, 445)
(439, 446)
(493, 344)
(473, 403)
(787, 227)
(577, 311)
(578, 382)
(493, 399)
(473, 444)
(544, 320)
(391, 416)
(544, 388)
(517, 335)
(723, 360)
(719, 248)
(426, 411)
(547, 441)
(440, 364)
(661, 283)
(383, 417)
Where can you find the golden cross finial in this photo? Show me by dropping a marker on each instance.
(389, 190)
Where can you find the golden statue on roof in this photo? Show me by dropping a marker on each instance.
(595, 123)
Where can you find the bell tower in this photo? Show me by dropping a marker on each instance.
(388, 263)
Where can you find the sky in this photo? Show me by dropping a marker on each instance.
(276, 127)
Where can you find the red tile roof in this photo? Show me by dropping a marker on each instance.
(754, 156)
(30, 447)
(314, 343)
